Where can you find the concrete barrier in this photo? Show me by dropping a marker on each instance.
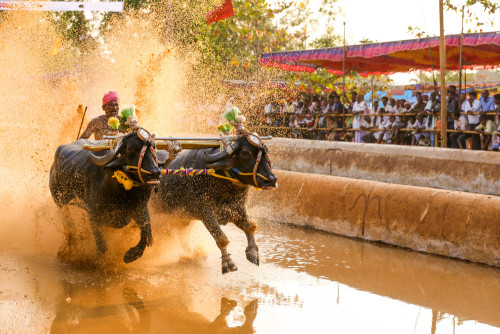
(452, 169)
(449, 223)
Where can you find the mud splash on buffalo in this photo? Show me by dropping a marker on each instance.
(43, 80)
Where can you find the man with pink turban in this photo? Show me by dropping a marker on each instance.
(99, 126)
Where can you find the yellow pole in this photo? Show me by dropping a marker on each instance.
(442, 66)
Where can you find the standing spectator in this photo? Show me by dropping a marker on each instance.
(425, 98)
(418, 106)
(393, 107)
(300, 108)
(359, 108)
(321, 119)
(487, 102)
(451, 107)
(349, 120)
(485, 125)
(496, 100)
(473, 106)
(432, 109)
(457, 139)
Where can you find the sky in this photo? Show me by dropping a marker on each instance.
(388, 20)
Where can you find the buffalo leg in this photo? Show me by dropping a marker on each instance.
(221, 240)
(146, 238)
(241, 220)
(99, 239)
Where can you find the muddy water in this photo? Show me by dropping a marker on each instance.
(307, 282)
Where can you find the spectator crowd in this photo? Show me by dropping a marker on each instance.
(474, 120)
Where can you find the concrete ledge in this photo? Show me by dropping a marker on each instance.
(462, 170)
(449, 223)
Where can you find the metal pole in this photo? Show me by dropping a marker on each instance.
(460, 60)
(343, 78)
(442, 66)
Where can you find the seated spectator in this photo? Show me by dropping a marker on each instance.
(419, 136)
(391, 130)
(457, 139)
(294, 126)
(407, 136)
(368, 137)
(309, 122)
(486, 129)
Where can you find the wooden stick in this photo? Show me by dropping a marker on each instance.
(83, 118)
(442, 66)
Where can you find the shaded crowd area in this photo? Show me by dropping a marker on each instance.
(472, 118)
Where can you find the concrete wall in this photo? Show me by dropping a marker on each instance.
(462, 170)
(449, 223)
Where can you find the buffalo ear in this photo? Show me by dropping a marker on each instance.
(223, 164)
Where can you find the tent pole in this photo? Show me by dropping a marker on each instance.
(465, 79)
(460, 60)
(372, 89)
(442, 66)
(343, 78)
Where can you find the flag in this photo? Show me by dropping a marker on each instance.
(220, 13)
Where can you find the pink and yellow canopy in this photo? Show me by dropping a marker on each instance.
(480, 51)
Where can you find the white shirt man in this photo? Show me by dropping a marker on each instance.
(472, 105)
(362, 108)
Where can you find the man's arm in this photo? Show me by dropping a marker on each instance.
(89, 130)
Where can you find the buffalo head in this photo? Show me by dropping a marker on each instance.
(245, 159)
(135, 153)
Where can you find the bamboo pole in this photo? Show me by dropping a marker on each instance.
(460, 60)
(372, 90)
(442, 66)
(343, 78)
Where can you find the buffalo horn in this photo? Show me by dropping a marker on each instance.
(214, 157)
(105, 159)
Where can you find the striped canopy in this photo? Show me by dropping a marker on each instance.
(480, 51)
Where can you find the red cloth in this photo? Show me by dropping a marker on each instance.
(111, 96)
(220, 13)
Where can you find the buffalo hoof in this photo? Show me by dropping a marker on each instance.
(102, 247)
(253, 255)
(228, 265)
(227, 305)
(133, 254)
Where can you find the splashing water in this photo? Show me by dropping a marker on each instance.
(42, 88)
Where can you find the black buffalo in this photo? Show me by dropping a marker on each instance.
(216, 201)
(77, 173)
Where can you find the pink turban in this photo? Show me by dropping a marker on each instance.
(111, 96)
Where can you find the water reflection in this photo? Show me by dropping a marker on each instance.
(136, 314)
(468, 291)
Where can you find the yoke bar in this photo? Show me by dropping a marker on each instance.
(190, 138)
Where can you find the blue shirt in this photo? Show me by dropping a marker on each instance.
(488, 105)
